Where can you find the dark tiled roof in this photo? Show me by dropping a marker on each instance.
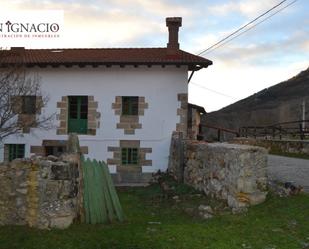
(104, 56)
(197, 107)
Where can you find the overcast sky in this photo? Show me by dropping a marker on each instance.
(268, 54)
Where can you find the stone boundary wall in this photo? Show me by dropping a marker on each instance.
(235, 173)
(281, 146)
(39, 192)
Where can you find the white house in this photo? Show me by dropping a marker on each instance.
(123, 102)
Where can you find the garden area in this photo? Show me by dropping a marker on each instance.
(159, 219)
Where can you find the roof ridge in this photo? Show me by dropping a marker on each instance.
(118, 48)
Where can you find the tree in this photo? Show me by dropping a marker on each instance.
(21, 99)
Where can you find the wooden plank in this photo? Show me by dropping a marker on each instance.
(103, 209)
(93, 217)
(99, 200)
(112, 192)
(95, 193)
(108, 200)
(86, 190)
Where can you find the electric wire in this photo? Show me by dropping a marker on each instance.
(242, 27)
(222, 44)
(214, 91)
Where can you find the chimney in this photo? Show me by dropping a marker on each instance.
(173, 24)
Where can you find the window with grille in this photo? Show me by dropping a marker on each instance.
(54, 150)
(28, 105)
(129, 156)
(129, 105)
(16, 151)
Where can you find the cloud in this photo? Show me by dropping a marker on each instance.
(247, 8)
(159, 7)
(102, 23)
(273, 48)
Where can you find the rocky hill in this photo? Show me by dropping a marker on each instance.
(279, 103)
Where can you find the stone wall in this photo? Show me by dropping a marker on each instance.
(182, 111)
(176, 157)
(235, 173)
(39, 192)
(277, 146)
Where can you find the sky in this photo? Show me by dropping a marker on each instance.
(269, 53)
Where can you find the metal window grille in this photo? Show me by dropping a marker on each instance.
(129, 156)
(129, 105)
(28, 104)
(16, 151)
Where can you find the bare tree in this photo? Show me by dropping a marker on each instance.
(21, 98)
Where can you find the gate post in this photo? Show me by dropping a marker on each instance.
(73, 148)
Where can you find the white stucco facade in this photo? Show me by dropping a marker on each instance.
(159, 85)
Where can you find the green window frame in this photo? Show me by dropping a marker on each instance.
(130, 105)
(129, 156)
(78, 114)
(28, 105)
(16, 151)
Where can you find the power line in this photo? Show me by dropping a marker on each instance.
(214, 91)
(222, 44)
(241, 28)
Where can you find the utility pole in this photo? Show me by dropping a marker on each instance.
(304, 114)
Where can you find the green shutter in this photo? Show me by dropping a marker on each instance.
(78, 114)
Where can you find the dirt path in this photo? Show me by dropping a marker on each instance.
(286, 169)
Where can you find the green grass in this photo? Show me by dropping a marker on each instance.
(281, 223)
(289, 154)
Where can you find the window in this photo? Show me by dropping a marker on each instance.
(129, 105)
(54, 150)
(16, 151)
(129, 156)
(28, 105)
(78, 114)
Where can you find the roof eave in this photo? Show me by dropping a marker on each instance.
(192, 66)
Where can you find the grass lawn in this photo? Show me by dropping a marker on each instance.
(156, 222)
(288, 154)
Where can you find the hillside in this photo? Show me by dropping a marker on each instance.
(279, 103)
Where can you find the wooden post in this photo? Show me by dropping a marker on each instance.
(200, 135)
(302, 134)
(219, 135)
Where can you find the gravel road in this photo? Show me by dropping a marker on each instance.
(286, 169)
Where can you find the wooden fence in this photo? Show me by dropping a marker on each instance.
(285, 130)
(219, 131)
